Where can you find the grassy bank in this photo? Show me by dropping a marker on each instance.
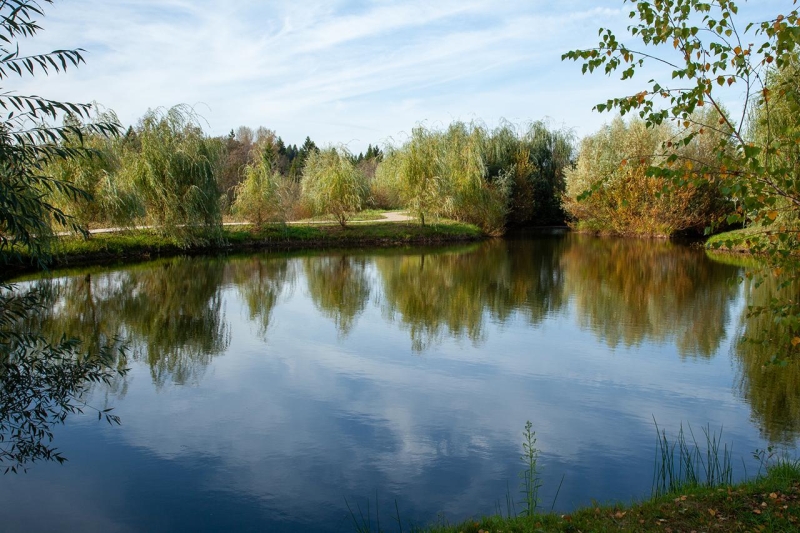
(733, 241)
(768, 504)
(143, 244)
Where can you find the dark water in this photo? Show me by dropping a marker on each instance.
(264, 392)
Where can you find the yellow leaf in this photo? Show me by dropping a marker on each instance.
(772, 215)
(675, 43)
(795, 341)
(712, 512)
(737, 50)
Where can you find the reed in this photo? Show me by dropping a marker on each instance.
(683, 463)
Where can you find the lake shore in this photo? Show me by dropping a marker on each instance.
(134, 245)
(770, 503)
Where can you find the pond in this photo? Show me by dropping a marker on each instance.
(272, 392)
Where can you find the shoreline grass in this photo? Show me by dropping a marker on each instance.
(144, 244)
(769, 504)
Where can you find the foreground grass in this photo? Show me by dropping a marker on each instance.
(141, 244)
(767, 504)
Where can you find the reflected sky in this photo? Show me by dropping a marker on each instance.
(286, 385)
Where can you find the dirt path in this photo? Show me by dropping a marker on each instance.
(388, 216)
(396, 216)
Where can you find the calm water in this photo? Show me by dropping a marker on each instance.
(264, 391)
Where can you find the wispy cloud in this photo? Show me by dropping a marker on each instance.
(339, 71)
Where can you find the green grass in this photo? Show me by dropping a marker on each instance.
(146, 244)
(363, 216)
(767, 504)
(692, 492)
(733, 241)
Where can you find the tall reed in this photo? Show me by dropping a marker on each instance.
(683, 463)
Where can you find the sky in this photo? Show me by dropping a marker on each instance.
(350, 72)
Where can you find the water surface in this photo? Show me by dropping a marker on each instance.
(267, 391)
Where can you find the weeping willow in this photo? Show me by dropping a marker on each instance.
(612, 189)
(489, 178)
(333, 185)
(264, 195)
(172, 171)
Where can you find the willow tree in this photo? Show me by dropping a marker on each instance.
(264, 195)
(42, 380)
(705, 49)
(624, 198)
(174, 173)
(94, 174)
(333, 185)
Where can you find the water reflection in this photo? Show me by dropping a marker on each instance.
(339, 288)
(631, 291)
(280, 415)
(168, 314)
(773, 391)
(433, 295)
(261, 283)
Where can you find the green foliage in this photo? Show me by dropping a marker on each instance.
(488, 178)
(28, 144)
(41, 381)
(332, 184)
(174, 175)
(701, 43)
(539, 160)
(264, 195)
(93, 173)
(611, 191)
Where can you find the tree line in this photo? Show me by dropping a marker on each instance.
(166, 172)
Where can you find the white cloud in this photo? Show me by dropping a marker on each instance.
(338, 71)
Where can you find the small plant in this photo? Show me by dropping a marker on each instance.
(529, 477)
(682, 463)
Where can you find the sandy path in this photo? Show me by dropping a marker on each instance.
(388, 216)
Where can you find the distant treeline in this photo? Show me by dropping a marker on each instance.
(167, 172)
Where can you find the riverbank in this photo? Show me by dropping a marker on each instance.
(145, 244)
(767, 504)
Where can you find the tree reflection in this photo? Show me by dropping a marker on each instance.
(174, 313)
(169, 313)
(339, 288)
(772, 390)
(261, 282)
(41, 381)
(451, 293)
(631, 291)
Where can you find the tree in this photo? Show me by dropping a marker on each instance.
(264, 195)
(625, 200)
(28, 144)
(41, 381)
(706, 50)
(175, 174)
(332, 184)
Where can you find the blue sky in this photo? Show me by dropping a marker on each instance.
(342, 71)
